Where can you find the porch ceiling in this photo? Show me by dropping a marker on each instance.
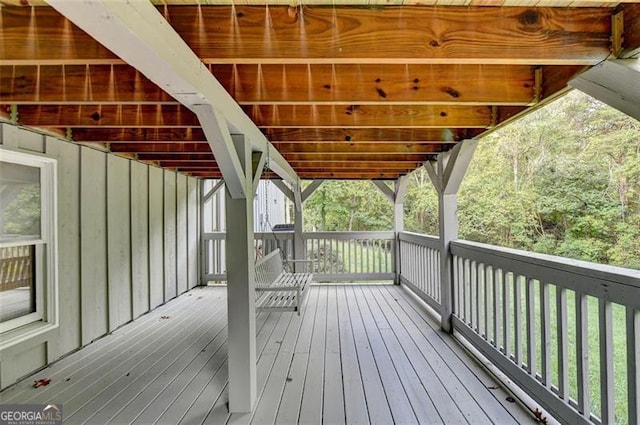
(349, 91)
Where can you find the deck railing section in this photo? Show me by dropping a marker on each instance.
(420, 266)
(565, 331)
(350, 256)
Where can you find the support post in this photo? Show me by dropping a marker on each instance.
(298, 227)
(241, 289)
(446, 174)
(396, 197)
(400, 190)
(448, 222)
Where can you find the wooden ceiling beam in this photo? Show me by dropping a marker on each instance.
(160, 147)
(346, 149)
(180, 164)
(356, 165)
(357, 157)
(87, 116)
(130, 135)
(306, 165)
(267, 117)
(354, 148)
(370, 134)
(179, 134)
(78, 84)
(281, 34)
(175, 156)
(370, 116)
(339, 175)
(281, 84)
(415, 84)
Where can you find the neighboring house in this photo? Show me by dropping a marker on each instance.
(270, 207)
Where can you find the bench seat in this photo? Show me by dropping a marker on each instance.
(279, 290)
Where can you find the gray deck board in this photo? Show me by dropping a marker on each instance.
(312, 394)
(357, 355)
(401, 408)
(333, 405)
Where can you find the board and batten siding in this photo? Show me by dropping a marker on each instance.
(128, 237)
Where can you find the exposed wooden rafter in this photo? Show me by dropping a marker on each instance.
(340, 91)
(281, 34)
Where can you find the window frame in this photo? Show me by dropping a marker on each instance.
(45, 316)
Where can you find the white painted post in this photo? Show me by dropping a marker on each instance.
(240, 290)
(396, 197)
(446, 176)
(298, 226)
(448, 221)
(398, 222)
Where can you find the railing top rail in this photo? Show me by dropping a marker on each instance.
(616, 284)
(420, 239)
(271, 235)
(349, 235)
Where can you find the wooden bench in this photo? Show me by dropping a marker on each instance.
(277, 289)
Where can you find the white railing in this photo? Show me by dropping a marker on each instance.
(213, 262)
(336, 256)
(352, 256)
(420, 266)
(567, 332)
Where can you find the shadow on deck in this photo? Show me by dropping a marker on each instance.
(358, 354)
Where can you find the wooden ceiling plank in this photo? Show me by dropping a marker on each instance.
(78, 84)
(352, 148)
(122, 84)
(357, 157)
(351, 165)
(371, 134)
(534, 36)
(442, 116)
(130, 135)
(376, 83)
(336, 175)
(175, 156)
(160, 147)
(499, 35)
(87, 116)
(179, 134)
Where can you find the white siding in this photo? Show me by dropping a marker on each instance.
(140, 237)
(115, 218)
(156, 237)
(170, 289)
(181, 234)
(93, 244)
(119, 240)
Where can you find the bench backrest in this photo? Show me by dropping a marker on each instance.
(268, 268)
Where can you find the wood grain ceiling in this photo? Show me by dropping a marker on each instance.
(343, 92)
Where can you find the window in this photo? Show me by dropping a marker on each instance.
(27, 240)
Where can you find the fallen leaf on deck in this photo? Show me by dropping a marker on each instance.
(164, 317)
(41, 383)
(289, 379)
(511, 399)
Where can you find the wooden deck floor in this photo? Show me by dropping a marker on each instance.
(358, 354)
